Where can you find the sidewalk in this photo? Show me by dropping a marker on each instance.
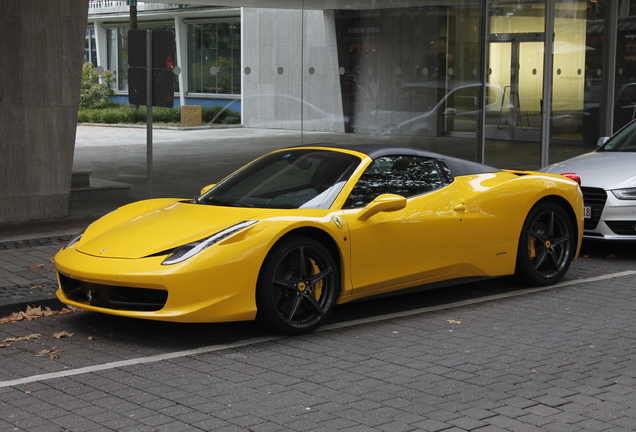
(27, 273)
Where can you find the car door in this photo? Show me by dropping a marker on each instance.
(424, 240)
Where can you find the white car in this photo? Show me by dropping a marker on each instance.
(608, 183)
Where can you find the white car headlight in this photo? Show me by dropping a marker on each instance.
(74, 240)
(625, 194)
(186, 251)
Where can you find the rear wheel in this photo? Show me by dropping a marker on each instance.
(298, 286)
(546, 246)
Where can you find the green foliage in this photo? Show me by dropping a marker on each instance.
(93, 93)
(128, 115)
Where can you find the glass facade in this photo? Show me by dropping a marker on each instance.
(514, 84)
(413, 75)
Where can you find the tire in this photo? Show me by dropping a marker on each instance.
(546, 246)
(297, 287)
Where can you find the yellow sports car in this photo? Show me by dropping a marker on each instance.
(290, 235)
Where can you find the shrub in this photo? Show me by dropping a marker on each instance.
(93, 93)
(116, 113)
(166, 115)
(219, 115)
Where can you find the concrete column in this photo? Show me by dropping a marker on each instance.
(42, 46)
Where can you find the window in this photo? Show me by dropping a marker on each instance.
(401, 175)
(214, 52)
(90, 49)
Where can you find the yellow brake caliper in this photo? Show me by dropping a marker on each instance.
(318, 287)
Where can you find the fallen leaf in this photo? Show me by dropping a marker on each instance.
(21, 338)
(52, 260)
(32, 313)
(36, 286)
(5, 345)
(62, 334)
(48, 352)
(36, 266)
(93, 338)
(453, 322)
(53, 357)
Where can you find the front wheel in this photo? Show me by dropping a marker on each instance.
(298, 286)
(546, 246)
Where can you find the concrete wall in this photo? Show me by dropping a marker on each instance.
(290, 70)
(41, 43)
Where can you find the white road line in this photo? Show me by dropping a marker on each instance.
(208, 349)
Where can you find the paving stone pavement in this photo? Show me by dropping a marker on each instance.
(27, 273)
(556, 360)
(559, 359)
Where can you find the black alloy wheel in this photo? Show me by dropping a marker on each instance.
(546, 246)
(298, 286)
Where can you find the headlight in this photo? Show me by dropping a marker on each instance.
(184, 252)
(75, 240)
(625, 194)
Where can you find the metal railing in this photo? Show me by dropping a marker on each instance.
(103, 4)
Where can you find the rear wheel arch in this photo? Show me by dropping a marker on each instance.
(548, 242)
(568, 209)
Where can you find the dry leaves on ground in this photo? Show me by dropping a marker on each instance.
(33, 313)
(62, 334)
(22, 338)
(51, 354)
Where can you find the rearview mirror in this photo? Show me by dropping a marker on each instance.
(383, 203)
(602, 140)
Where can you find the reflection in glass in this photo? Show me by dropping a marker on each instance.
(411, 75)
(400, 175)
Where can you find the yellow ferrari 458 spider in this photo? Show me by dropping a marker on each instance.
(299, 230)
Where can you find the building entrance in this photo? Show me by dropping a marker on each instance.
(515, 73)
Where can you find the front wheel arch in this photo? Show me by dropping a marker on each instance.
(298, 285)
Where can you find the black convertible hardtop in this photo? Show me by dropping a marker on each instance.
(459, 167)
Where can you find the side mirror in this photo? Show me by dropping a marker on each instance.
(383, 203)
(207, 188)
(602, 140)
(450, 112)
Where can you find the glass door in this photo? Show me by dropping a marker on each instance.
(514, 79)
(515, 72)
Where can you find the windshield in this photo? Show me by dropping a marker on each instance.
(623, 141)
(301, 178)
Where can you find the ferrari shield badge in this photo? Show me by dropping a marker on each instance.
(336, 220)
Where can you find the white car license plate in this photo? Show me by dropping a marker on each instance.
(587, 212)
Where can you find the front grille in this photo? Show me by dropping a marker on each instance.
(622, 227)
(595, 199)
(113, 297)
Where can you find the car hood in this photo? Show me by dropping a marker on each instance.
(149, 227)
(607, 170)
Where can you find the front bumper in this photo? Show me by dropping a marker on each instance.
(612, 219)
(143, 288)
